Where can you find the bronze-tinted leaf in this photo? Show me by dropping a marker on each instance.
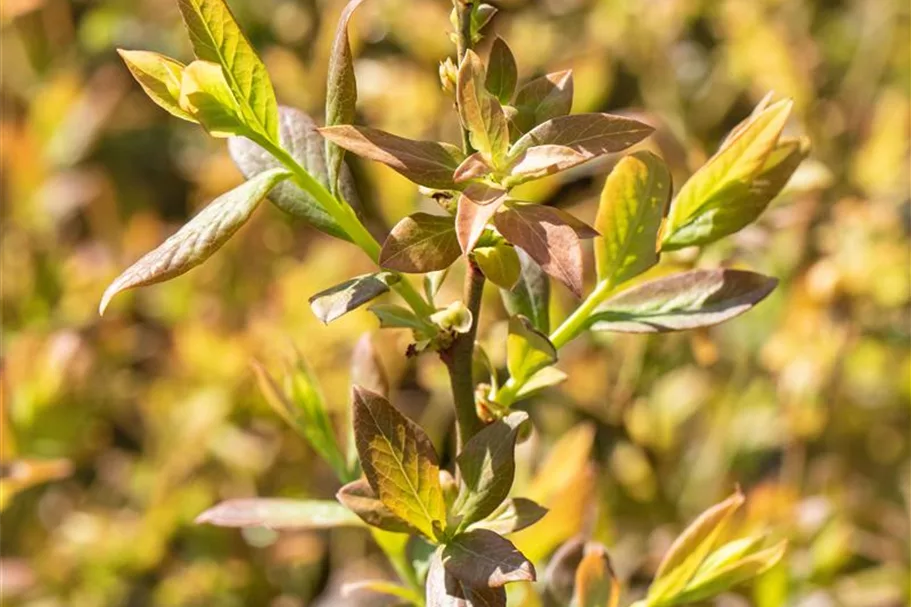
(472, 167)
(632, 206)
(349, 295)
(500, 264)
(502, 73)
(299, 137)
(399, 462)
(445, 590)
(531, 295)
(512, 515)
(699, 298)
(426, 163)
(482, 558)
(421, 243)
(199, 238)
(543, 160)
(278, 513)
(550, 236)
(543, 98)
(360, 499)
(341, 90)
(480, 111)
(477, 204)
(487, 465)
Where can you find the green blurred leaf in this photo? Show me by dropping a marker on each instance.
(199, 238)
(545, 378)
(709, 582)
(487, 465)
(480, 111)
(160, 77)
(699, 298)
(632, 206)
(527, 349)
(421, 243)
(278, 513)
(499, 263)
(399, 462)
(360, 498)
(392, 316)
(531, 295)
(481, 558)
(336, 301)
(502, 73)
(596, 585)
(216, 37)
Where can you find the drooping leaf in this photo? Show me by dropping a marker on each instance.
(699, 298)
(586, 136)
(487, 464)
(204, 95)
(499, 264)
(278, 513)
(216, 37)
(502, 73)
(545, 378)
(399, 462)
(477, 204)
(341, 90)
(690, 549)
(714, 581)
(199, 238)
(443, 589)
(421, 243)
(472, 167)
(724, 180)
(336, 301)
(527, 349)
(531, 295)
(596, 585)
(360, 499)
(481, 558)
(480, 111)
(632, 206)
(512, 515)
(367, 368)
(550, 236)
(298, 136)
(543, 98)
(427, 163)
(159, 77)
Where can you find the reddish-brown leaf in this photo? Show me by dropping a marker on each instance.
(421, 243)
(477, 205)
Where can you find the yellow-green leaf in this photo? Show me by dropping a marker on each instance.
(500, 264)
(527, 349)
(160, 77)
(596, 585)
(205, 96)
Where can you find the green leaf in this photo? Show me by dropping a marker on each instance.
(300, 403)
(699, 298)
(480, 111)
(299, 137)
(360, 499)
(383, 587)
(351, 294)
(160, 77)
(543, 98)
(399, 462)
(550, 236)
(278, 513)
(502, 73)
(421, 243)
(341, 90)
(427, 163)
(696, 216)
(205, 96)
(632, 206)
(527, 349)
(499, 264)
(392, 316)
(198, 239)
(487, 464)
(715, 581)
(432, 283)
(545, 378)
(531, 295)
(477, 204)
(690, 549)
(596, 585)
(569, 141)
(445, 590)
(216, 37)
(512, 515)
(481, 558)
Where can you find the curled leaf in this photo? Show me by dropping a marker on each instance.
(543, 98)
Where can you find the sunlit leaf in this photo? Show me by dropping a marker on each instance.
(443, 589)
(472, 167)
(545, 378)
(426, 163)
(159, 77)
(298, 136)
(481, 113)
(482, 558)
(341, 90)
(550, 236)
(512, 515)
(399, 462)
(477, 205)
(632, 206)
(204, 95)
(531, 295)
(199, 238)
(712, 581)
(499, 264)
(543, 98)
(278, 513)
(360, 499)
(527, 349)
(421, 243)
(502, 74)
(595, 583)
(487, 466)
(216, 37)
(699, 298)
(351, 294)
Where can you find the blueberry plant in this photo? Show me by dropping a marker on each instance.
(444, 532)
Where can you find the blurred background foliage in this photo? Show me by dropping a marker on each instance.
(117, 432)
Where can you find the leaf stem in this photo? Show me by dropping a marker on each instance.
(464, 10)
